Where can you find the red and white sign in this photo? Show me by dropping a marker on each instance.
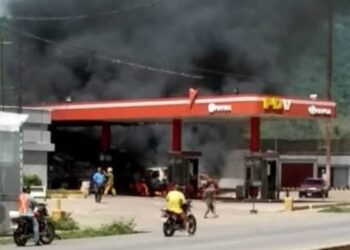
(191, 107)
(215, 108)
(313, 110)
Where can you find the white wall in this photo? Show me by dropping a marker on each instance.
(37, 143)
(318, 159)
(35, 163)
(233, 173)
(5, 207)
(341, 160)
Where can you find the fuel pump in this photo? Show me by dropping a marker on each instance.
(261, 172)
(183, 170)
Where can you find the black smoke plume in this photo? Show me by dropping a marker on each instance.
(247, 44)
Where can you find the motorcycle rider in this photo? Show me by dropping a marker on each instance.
(26, 206)
(175, 199)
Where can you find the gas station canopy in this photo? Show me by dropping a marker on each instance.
(192, 108)
(184, 166)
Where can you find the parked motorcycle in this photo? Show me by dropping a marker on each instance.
(172, 222)
(24, 230)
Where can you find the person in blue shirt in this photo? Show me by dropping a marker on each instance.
(99, 180)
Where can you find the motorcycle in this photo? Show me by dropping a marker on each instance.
(172, 222)
(24, 230)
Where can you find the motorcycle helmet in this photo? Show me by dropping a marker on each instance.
(178, 187)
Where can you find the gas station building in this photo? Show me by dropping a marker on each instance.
(195, 108)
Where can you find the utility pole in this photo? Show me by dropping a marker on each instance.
(328, 89)
(2, 74)
(2, 71)
(20, 79)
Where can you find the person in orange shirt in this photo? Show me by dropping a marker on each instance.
(26, 206)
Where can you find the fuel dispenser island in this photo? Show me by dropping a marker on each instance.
(183, 171)
(261, 176)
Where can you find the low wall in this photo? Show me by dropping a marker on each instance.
(5, 223)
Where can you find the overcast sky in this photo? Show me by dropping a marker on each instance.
(2, 6)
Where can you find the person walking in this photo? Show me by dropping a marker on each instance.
(99, 181)
(209, 197)
(110, 182)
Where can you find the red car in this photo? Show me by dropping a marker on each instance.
(313, 187)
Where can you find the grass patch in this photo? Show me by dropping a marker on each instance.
(114, 228)
(5, 241)
(335, 209)
(32, 180)
(63, 191)
(56, 196)
(66, 223)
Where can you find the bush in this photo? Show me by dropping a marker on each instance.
(114, 228)
(66, 223)
(118, 227)
(31, 180)
(336, 209)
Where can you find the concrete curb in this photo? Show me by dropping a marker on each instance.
(344, 247)
(317, 206)
(67, 196)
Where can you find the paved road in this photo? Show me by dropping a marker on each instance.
(295, 231)
(234, 229)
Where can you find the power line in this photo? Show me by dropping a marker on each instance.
(225, 73)
(97, 55)
(105, 56)
(81, 17)
(120, 61)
